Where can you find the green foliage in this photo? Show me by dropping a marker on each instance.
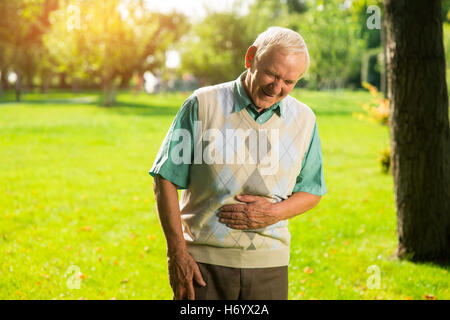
(385, 160)
(106, 40)
(215, 50)
(334, 45)
(216, 47)
(377, 111)
(22, 24)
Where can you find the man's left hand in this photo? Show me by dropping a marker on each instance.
(254, 213)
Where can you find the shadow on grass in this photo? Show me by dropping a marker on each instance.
(87, 100)
(121, 106)
(145, 110)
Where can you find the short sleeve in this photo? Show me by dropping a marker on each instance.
(311, 178)
(167, 162)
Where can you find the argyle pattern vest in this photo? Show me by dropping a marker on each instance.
(234, 155)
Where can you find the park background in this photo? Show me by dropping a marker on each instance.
(88, 90)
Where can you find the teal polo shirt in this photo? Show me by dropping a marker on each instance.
(310, 179)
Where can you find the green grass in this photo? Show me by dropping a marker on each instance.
(75, 191)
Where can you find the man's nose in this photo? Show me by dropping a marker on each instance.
(277, 86)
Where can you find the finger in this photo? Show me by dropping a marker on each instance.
(233, 221)
(233, 207)
(238, 226)
(230, 215)
(198, 277)
(248, 198)
(190, 291)
(179, 293)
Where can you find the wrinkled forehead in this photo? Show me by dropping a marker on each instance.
(279, 60)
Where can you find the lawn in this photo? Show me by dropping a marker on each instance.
(78, 218)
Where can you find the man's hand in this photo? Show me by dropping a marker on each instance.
(256, 212)
(183, 270)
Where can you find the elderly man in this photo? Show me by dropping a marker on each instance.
(248, 158)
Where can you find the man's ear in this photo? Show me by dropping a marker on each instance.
(249, 56)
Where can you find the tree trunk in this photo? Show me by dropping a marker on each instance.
(4, 79)
(109, 92)
(45, 82)
(2, 90)
(18, 85)
(419, 127)
(383, 77)
(62, 81)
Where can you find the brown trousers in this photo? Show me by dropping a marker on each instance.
(224, 283)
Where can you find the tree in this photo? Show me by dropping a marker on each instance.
(109, 40)
(334, 44)
(419, 126)
(22, 24)
(216, 49)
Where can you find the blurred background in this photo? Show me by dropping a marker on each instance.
(176, 45)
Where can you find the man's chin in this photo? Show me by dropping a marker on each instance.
(265, 103)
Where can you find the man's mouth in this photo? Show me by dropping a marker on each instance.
(265, 93)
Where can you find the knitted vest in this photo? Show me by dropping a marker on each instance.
(234, 155)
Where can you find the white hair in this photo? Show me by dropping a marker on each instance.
(282, 38)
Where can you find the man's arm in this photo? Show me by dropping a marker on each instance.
(182, 267)
(257, 212)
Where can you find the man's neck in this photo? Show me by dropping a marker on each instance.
(247, 91)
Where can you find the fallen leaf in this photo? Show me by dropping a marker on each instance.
(85, 228)
(429, 297)
(308, 270)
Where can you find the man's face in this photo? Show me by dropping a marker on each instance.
(273, 77)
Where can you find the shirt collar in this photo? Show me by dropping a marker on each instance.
(242, 100)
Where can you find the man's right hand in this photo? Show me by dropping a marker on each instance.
(183, 270)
